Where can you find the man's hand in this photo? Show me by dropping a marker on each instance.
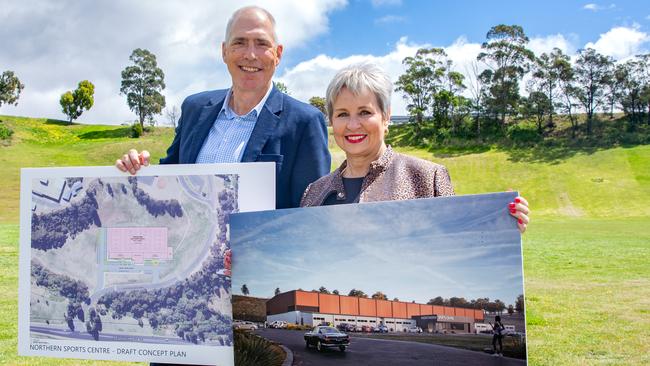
(132, 161)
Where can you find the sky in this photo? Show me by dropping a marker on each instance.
(52, 45)
(464, 246)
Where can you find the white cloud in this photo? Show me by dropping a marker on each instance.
(390, 19)
(545, 44)
(310, 78)
(621, 42)
(53, 45)
(380, 3)
(596, 7)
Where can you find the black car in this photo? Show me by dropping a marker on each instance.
(323, 337)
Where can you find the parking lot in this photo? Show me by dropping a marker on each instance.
(374, 349)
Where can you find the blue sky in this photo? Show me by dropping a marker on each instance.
(414, 250)
(52, 45)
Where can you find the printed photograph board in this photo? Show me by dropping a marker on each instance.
(406, 282)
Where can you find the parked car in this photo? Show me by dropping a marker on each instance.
(366, 329)
(278, 324)
(381, 329)
(245, 325)
(413, 329)
(326, 337)
(345, 327)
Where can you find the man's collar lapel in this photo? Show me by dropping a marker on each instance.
(206, 119)
(266, 124)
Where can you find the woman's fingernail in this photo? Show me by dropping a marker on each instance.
(512, 210)
(511, 204)
(520, 221)
(517, 200)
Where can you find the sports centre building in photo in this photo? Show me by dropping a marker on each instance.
(313, 308)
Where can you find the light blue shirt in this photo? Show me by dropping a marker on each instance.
(230, 133)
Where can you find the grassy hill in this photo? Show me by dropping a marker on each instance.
(587, 277)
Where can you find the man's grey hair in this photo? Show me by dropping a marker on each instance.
(358, 78)
(239, 11)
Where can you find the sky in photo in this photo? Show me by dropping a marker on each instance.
(52, 45)
(465, 246)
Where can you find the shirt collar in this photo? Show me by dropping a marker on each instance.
(257, 109)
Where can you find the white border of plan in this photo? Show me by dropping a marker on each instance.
(256, 193)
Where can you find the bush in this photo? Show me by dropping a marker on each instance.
(251, 349)
(136, 130)
(292, 326)
(523, 135)
(5, 132)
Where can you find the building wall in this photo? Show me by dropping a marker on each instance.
(329, 304)
(399, 309)
(384, 308)
(367, 307)
(349, 305)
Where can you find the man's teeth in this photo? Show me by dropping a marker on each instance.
(250, 69)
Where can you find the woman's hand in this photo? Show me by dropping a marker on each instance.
(132, 161)
(519, 210)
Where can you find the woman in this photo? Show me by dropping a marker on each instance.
(497, 329)
(358, 107)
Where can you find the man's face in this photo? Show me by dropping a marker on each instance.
(251, 53)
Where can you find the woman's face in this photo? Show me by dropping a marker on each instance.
(358, 124)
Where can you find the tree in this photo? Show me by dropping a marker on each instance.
(568, 97)
(547, 71)
(379, 296)
(319, 103)
(73, 103)
(592, 71)
(335, 292)
(436, 301)
(142, 84)
(511, 309)
(277, 291)
(421, 81)
(635, 87)
(282, 87)
(323, 290)
(538, 105)
(507, 58)
(357, 293)
(10, 88)
(477, 90)
(519, 304)
(244, 290)
(172, 115)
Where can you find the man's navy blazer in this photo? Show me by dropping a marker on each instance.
(288, 132)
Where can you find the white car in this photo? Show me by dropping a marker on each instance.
(278, 324)
(414, 330)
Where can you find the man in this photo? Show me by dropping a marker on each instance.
(251, 121)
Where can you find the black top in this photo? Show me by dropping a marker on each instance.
(352, 191)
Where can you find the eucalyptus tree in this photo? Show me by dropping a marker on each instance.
(507, 60)
(10, 88)
(422, 80)
(547, 70)
(142, 83)
(592, 71)
(73, 103)
(635, 91)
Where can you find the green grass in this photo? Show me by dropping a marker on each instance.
(586, 255)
